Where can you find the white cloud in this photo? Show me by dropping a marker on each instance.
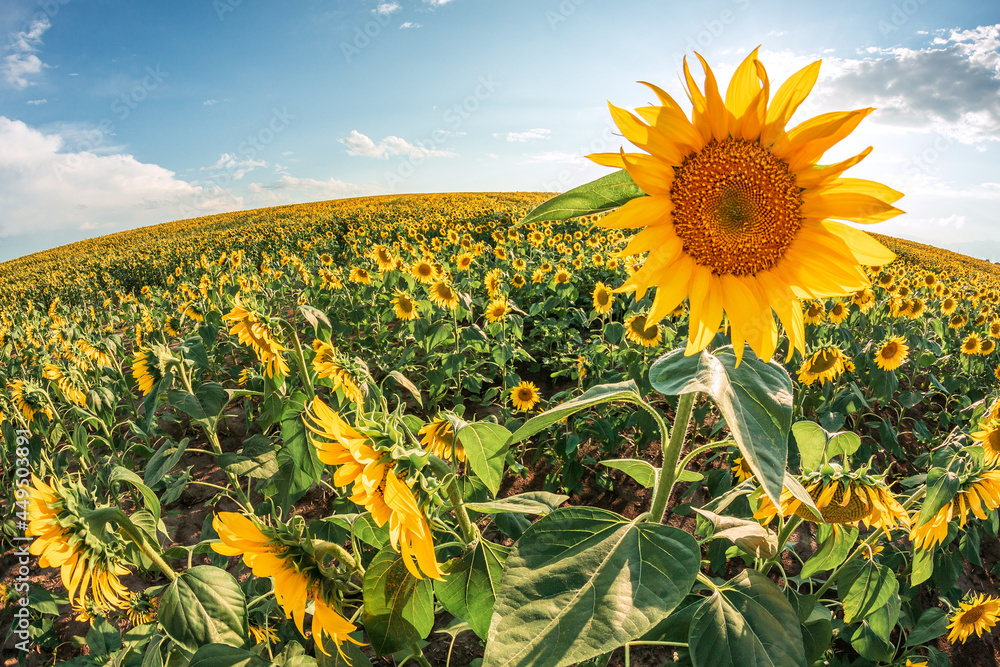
(45, 189)
(527, 135)
(290, 190)
(235, 166)
(437, 3)
(37, 102)
(409, 24)
(361, 145)
(19, 66)
(386, 8)
(209, 103)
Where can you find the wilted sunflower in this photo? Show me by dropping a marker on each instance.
(892, 354)
(438, 439)
(328, 363)
(263, 634)
(978, 614)
(442, 294)
(146, 370)
(253, 331)
(405, 306)
(603, 299)
(525, 396)
(296, 576)
(141, 609)
(841, 498)
(827, 363)
(971, 345)
(497, 309)
(979, 493)
(736, 207)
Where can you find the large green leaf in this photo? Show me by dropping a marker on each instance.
(205, 406)
(470, 589)
(834, 548)
(539, 503)
(352, 657)
(399, 609)
(755, 399)
(222, 655)
(872, 637)
(811, 439)
(164, 460)
(932, 624)
(942, 485)
(486, 447)
(750, 536)
(204, 605)
(122, 474)
(298, 463)
(603, 194)
(642, 472)
(865, 587)
(746, 622)
(603, 393)
(583, 581)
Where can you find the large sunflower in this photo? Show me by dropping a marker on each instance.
(739, 217)
(978, 614)
(892, 354)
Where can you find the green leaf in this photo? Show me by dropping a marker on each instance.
(353, 656)
(538, 503)
(194, 349)
(258, 459)
(843, 444)
(755, 399)
(800, 493)
(399, 609)
(865, 587)
(872, 638)
(603, 393)
(298, 462)
(834, 548)
(641, 471)
(746, 622)
(486, 447)
(470, 589)
(923, 566)
(811, 439)
(583, 581)
(204, 605)
(163, 461)
(223, 655)
(932, 624)
(750, 536)
(942, 485)
(205, 406)
(120, 474)
(603, 194)
(314, 316)
(103, 638)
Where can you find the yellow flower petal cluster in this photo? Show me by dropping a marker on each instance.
(977, 615)
(328, 364)
(979, 495)
(253, 332)
(438, 439)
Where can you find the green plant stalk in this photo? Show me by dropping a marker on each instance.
(442, 468)
(324, 548)
(138, 538)
(785, 533)
(300, 359)
(669, 472)
(832, 579)
(418, 655)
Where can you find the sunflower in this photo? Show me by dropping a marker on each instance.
(841, 498)
(562, 276)
(463, 261)
(146, 371)
(971, 345)
(497, 309)
(253, 331)
(838, 313)
(443, 295)
(737, 208)
(263, 634)
(978, 494)
(328, 364)
(827, 363)
(988, 436)
(525, 396)
(492, 281)
(424, 271)
(383, 258)
(405, 306)
(518, 281)
(603, 299)
(359, 275)
(994, 331)
(892, 354)
(438, 439)
(740, 468)
(815, 313)
(957, 321)
(639, 332)
(141, 609)
(987, 347)
(70, 385)
(948, 306)
(296, 579)
(978, 614)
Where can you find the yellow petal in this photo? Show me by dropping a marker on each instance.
(848, 206)
(741, 95)
(790, 95)
(652, 175)
(638, 212)
(820, 174)
(706, 309)
(651, 238)
(865, 249)
(647, 138)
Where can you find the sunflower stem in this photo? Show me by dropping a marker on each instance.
(300, 359)
(323, 548)
(669, 472)
(783, 535)
(442, 468)
(418, 655)
(138, 538)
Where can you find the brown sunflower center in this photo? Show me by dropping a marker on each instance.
(737, 208)
(823, 361)
(639, 328)
(602, 297)
(889, 351)
(973, 615)
(525, 394)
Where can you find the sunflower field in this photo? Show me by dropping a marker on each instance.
(679, 415)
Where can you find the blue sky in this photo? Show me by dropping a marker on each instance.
(116, 113)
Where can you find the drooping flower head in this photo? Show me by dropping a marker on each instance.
(252, 330)
(328, 363)
(438, 439)
(979, 493)
(739, 218)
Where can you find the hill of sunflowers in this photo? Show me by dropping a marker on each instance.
(410, 429)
